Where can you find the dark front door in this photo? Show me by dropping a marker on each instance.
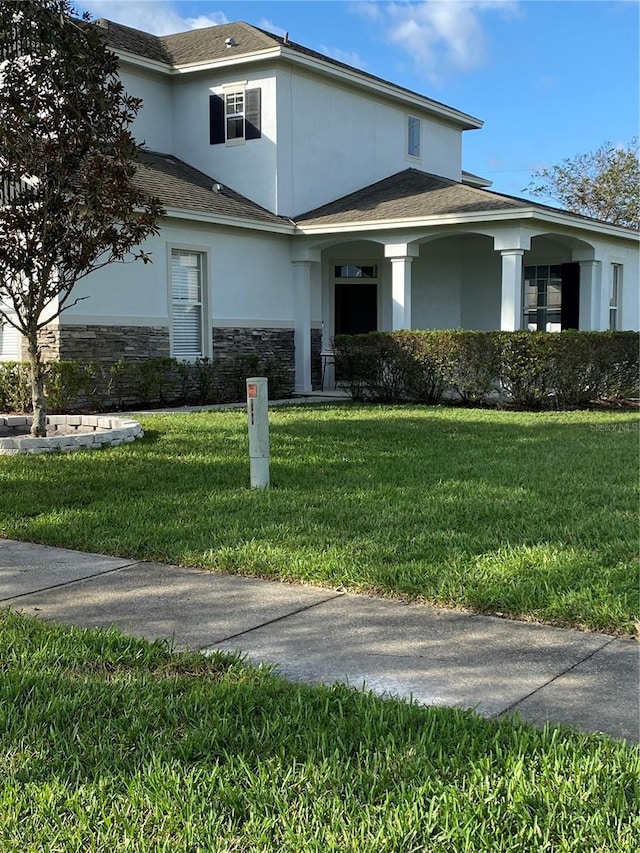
(356, 308)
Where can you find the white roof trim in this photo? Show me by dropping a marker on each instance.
(528, 213)
(228, 61)
(229, 221)
(355, 78)
(346, 75)
(142, 61)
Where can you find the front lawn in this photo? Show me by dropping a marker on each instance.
(109, 743)
(532, 515)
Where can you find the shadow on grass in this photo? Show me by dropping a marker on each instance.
(104, 736)
(498, 511)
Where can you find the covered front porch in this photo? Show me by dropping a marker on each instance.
(507, 279)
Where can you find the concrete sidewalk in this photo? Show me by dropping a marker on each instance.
(315, 635)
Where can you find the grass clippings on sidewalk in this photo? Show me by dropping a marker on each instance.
(109, 743)
(532, 515)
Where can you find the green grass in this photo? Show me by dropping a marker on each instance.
(528, 515)
(109, 743)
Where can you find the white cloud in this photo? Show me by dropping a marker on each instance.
(153, 16)
(441, 34)
(270, 27)
(347, 56)
(368, 9)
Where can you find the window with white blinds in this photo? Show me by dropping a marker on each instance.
(187, 304)
(9, 342)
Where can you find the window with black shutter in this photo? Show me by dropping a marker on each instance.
(235, 116)
(252, 115)
(216, 120)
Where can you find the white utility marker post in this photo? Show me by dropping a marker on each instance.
(258, 416)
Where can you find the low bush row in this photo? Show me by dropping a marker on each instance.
(530, 370)
(73, 386)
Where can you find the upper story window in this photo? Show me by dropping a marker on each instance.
(614, 297)
(413, 137)
(235, 116)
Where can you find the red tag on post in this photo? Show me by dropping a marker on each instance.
(252, 390)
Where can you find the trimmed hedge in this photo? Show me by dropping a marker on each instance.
(73, 386)
(531, 370)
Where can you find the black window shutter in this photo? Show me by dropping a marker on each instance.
(216, 120)
(252, 114)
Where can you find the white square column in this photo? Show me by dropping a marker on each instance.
(302, 324)
(591, 316)
(401, 256)
(511, 305)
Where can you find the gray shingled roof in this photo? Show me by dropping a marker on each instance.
(205, 45)
(208, 44)
(178, 185)
(119, 37)
(408, 194)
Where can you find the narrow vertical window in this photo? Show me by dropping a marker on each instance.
(413, 136)
(234, 115)
(187, 304)
(614, 297)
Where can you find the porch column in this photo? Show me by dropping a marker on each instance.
(302, 324)
(511, 306)
(401, 257)
(591, 316)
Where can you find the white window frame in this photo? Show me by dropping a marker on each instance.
(204, 350)
(544, 308)
(234, 90)
(415, 122)
(615, 297)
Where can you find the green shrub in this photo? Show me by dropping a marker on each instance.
(425, 364)
(472, 366)
(376, 366)
(526, 374)
(64, 384)
(15, 387)
(530, 370)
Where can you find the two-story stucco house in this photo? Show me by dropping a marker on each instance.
(306, 198)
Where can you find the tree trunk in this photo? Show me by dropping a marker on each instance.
(36, 373)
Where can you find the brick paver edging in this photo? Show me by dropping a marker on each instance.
(91, 431)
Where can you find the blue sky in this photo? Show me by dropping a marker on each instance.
(550, 78)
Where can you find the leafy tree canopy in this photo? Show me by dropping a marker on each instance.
(604, 183)
(69, 203)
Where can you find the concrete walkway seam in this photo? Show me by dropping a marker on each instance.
(514, 705)
(211, 646)
(70, 583)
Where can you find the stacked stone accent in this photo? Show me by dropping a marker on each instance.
(110, 343)
(316, 361)
(237, 353)
(272, 349)
(104, 344)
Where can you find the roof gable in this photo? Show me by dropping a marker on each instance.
(408, 194)
(209, 45)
